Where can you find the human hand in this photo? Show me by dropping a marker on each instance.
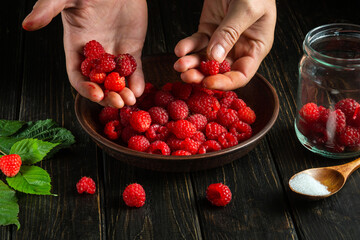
(119, 25)
(242, 31)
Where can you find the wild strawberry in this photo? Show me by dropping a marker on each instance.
(10, 164)
(134, 195)
(86, 184)
(218, 194)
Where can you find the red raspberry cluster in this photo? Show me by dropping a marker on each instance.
(106, 69)
(212, 67)
(180, 119)
(335, 130)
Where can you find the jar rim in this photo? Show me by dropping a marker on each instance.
(332, 30)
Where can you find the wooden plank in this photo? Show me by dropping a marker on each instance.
(332, 218)
(47, 94)
(11, 39)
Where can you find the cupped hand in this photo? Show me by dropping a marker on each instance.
(240, 31)
(119, 25)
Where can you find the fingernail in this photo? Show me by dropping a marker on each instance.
(218, 52)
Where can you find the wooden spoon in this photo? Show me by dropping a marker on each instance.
(333, 178)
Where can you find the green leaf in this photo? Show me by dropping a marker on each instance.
(32, 150)
(9, 208)
(9, 127)
(32, 180)
(45, 130)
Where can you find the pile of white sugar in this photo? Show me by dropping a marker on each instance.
(306, 184)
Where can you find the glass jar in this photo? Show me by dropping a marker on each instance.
(328, 99)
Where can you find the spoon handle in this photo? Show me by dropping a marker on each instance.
(348, 168)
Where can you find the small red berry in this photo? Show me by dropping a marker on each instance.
(218, 194)
(209, 67)
(134, 195)
(309, 112)
(183, 129)
(86, 184)
(125, 64)
(140, 121)
(159, 115)
(224, 67)
(114, 82)
(93, 49)
(10, 164)
(247, 115)
(181, 153)
(178, 110)
(97, 77)
(113, 129)
(139, 143)
(159, 147)
(106, 63)
(108, 114)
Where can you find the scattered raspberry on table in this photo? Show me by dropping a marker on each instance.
(218, 194)
(134, 195)
(10, 164)
(180, 119)
(86, 184)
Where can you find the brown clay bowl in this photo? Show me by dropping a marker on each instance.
(258, 94)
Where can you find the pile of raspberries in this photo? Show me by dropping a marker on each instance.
(180, 119)
(105, 69)
(332, 129)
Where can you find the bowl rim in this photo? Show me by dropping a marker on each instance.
(115, 147)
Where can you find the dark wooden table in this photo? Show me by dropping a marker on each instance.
(34, 86)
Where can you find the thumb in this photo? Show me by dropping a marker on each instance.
(240, 16)
(42, 14)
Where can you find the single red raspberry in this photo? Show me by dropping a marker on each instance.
(159, 147)
(226, 102)
(159, 115)
(310, 112)
(224, 67)
(108, 114)
(127, 133)
(198, 120)
(183, 129)
(230, 94)
(114, 82)
(86, 184)
(213, 130)
(134, 195)
(181, 90)
(319, 135)
(10, 164)
(204, 104)
(174, 143)
(209, 67)
(93, 49)
(241, 130)
(112, 130)
(97, 77)
(218, 194)
(167, 87)
(350, 136)
(106, 63)
(181, 153)
(209, 146)
(190, 145)
(178, 110)
(162, 98)
(347, 106)
(140, 121)
(336, 121)
(139, 143)
(199, 136)
(87, 65)
(227, 140)
(170, 125)
(237, 104)
(157, 132)
(125, 64)
(227, 116)
(125, 114)
(323, 114)
(247, 115)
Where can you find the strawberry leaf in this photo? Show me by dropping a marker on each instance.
(9, 208)
(32, 150)
(31, 180)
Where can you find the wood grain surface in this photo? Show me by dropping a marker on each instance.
(34, 86)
